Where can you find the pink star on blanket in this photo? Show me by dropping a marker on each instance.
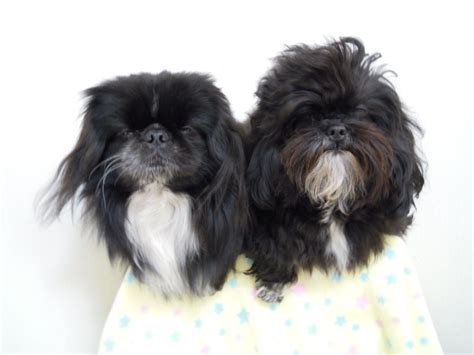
(177, 312)
(298, 288)
(362, 302)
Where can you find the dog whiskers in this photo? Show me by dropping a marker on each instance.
(112, 166)
(106, 161)
(119, 176)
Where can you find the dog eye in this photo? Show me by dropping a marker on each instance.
(186, 129)
(362, 113)
(304, 122)
(125, 134)
(294, 125)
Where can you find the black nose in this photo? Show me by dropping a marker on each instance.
(155, 136)
(337, 133)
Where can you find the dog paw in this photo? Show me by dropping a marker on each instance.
(270, 292)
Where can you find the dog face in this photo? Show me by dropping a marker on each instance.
(337, 128)
(337, 157)
(151, 128)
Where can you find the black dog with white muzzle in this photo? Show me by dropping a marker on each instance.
(160, 166)
(333, 166)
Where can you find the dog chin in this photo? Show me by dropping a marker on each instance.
(146, 173)
(336, 179)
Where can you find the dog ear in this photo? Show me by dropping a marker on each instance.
(263, 167)
(407, 173)
(75, 168)
(221, 209)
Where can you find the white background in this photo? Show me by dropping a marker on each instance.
(58, 286)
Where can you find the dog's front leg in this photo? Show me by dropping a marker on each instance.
(272, 281)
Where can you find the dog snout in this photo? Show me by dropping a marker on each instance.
(337, 133)
(155, 135)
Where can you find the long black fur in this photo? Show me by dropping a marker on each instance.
(307, 89)
(210, 165)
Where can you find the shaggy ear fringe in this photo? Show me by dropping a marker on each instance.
(74, 169)
(262, 170)
(51, 200)
(225, 197)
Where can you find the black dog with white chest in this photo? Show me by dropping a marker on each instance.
(333, 166)
(160, 166)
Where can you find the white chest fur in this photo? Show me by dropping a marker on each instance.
(160, 228)
(337, 246)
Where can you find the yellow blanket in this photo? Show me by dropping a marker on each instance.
(376, 310)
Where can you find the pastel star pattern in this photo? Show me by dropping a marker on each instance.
(298, 288)
(391, 279)
(109, 345)
(390, 253)
(423, 340)
(312, 329)
(362, 302)
(233, 282)
(364, 276)
(205, 349)
(219, 308)
(243, 316)
(175, 336)
(177, 312)
(356, 305)
(336, 277)
(124, 321)
(130, 277)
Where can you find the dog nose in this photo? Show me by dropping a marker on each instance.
(156, 136)
(337, 133)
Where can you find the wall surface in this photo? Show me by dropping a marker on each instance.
(57, 283)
